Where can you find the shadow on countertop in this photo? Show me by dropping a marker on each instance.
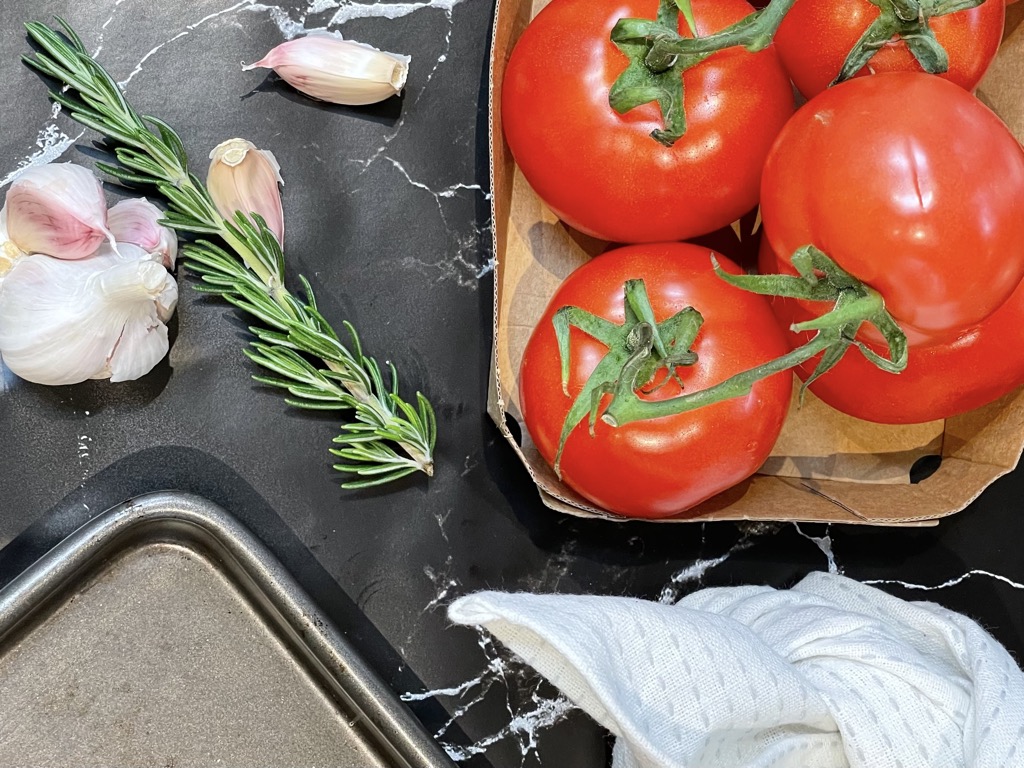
(193, 471)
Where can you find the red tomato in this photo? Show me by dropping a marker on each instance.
(910, 184)
(659, 467)
(601, 172)
(816, 36)
(980, 365)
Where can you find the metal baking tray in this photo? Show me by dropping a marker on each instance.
(164, 633)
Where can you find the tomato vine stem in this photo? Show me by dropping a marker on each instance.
(641, 348)
(906, 20)
(754, 32)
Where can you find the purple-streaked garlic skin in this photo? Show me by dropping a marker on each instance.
(327, 67)
(58, 210)
(136, 221)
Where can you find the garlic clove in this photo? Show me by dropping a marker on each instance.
(143, 342)
(136, 221)
(244, 178)
(45, 304)
(58, 210)
(330, 68)
(62, 322)
(167, 298)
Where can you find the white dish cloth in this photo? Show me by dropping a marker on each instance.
(829, 674)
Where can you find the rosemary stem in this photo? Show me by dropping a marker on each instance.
(423, 460)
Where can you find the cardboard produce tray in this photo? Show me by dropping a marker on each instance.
(826, 467)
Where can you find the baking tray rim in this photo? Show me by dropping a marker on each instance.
(214, 534)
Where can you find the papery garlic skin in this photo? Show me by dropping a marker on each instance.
(330, 68)
(58, 210)
(167, 299)
(244, 178)
(62, 322)
(9, 252)
(136, 221)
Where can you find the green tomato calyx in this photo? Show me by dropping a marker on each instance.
(658, 56)
(638, 349)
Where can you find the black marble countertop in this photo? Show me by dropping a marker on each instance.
(387, 215)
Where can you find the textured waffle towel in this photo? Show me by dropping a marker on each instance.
(829, 673)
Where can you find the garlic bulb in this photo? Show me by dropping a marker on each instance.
(62, 322)
(135, 221)
(58, 210)
(330, 68)
(244, 178)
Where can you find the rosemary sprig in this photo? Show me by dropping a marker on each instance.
(294, 342)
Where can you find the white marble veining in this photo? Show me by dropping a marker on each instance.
(824, 543)
(457, 690)
(557, 568)
(525, 727)
(444, 584)
(103, 27)
(300, 24)
(52, 142)
(950, 582)
(352, 10)
(85, 454)
(694, 572)
(442, 519)
(290, 28)
(189, 28)
(462, 266)
(502, 674)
